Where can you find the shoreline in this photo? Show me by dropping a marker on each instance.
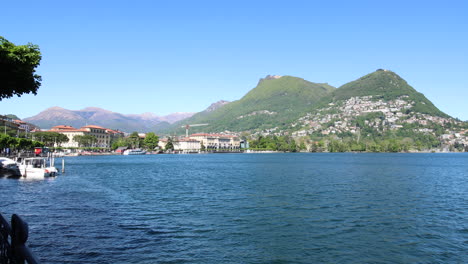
(259, 152)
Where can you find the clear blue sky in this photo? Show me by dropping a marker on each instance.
(180, 56)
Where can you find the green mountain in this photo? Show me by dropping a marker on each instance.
(275, 102)
(384, 85)
(378, 112)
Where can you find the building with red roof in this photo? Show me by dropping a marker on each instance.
(217, 141)
(102, 135)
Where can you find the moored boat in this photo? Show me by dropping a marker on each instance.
(134, 152)
(9, 168)
(36, 168)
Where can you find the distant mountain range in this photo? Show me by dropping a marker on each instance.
(96, 116)
(277, 102)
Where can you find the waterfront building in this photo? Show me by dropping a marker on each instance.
(70, 132)
(217, 141)
(103, 136)
(187, 145)
(24, 126)
(162, 143)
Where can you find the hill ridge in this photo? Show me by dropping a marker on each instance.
(56, 115)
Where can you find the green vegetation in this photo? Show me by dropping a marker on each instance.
(391, 145)
(370, 140)
(17, 69)
(132, 141)
(120, 142)
(11, 116)
(274, 102)
(169, 145)
(17, 144)
(275, 143)
(386, 85)
(85, 141)
(277, 103)
(151, 141)
(50, 138)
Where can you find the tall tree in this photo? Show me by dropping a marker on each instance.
(151, 141)
(169, 145)
(85, 141)
(50, 138)
(18, 69)
(134, 140)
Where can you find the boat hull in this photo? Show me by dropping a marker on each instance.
(9, 168)
(134, 152)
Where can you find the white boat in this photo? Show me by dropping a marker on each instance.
(9, 168)
(134, 152)
(36, 168)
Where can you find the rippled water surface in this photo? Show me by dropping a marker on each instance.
(248, 208)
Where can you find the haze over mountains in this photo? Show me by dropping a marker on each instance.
(96, 116)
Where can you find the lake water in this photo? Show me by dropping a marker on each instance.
(248, 208)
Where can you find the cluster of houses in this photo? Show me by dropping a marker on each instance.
(456, 139)
(17, 125)
(340, 117)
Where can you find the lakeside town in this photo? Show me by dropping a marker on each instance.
(105, 139)
(336, 119)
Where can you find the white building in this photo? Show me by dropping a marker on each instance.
(187, 145)
(217, 141)
(103, 138)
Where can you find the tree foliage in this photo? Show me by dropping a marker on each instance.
(134, 140)
(18, 69)
(85, 140)
(151, 141)
(169, 145)
(274, 143)
(18, 143)
(50, 138)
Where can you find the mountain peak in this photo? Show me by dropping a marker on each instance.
(94, 109)
(216, 105)
(385, 84)
(269, 77)
(272, 77)
(55, 108)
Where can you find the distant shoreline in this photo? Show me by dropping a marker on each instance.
(261, 152)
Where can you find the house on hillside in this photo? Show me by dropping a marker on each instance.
(8, 123)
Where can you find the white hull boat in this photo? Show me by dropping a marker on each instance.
(36, 169)
(9, 168)
(134, 152)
